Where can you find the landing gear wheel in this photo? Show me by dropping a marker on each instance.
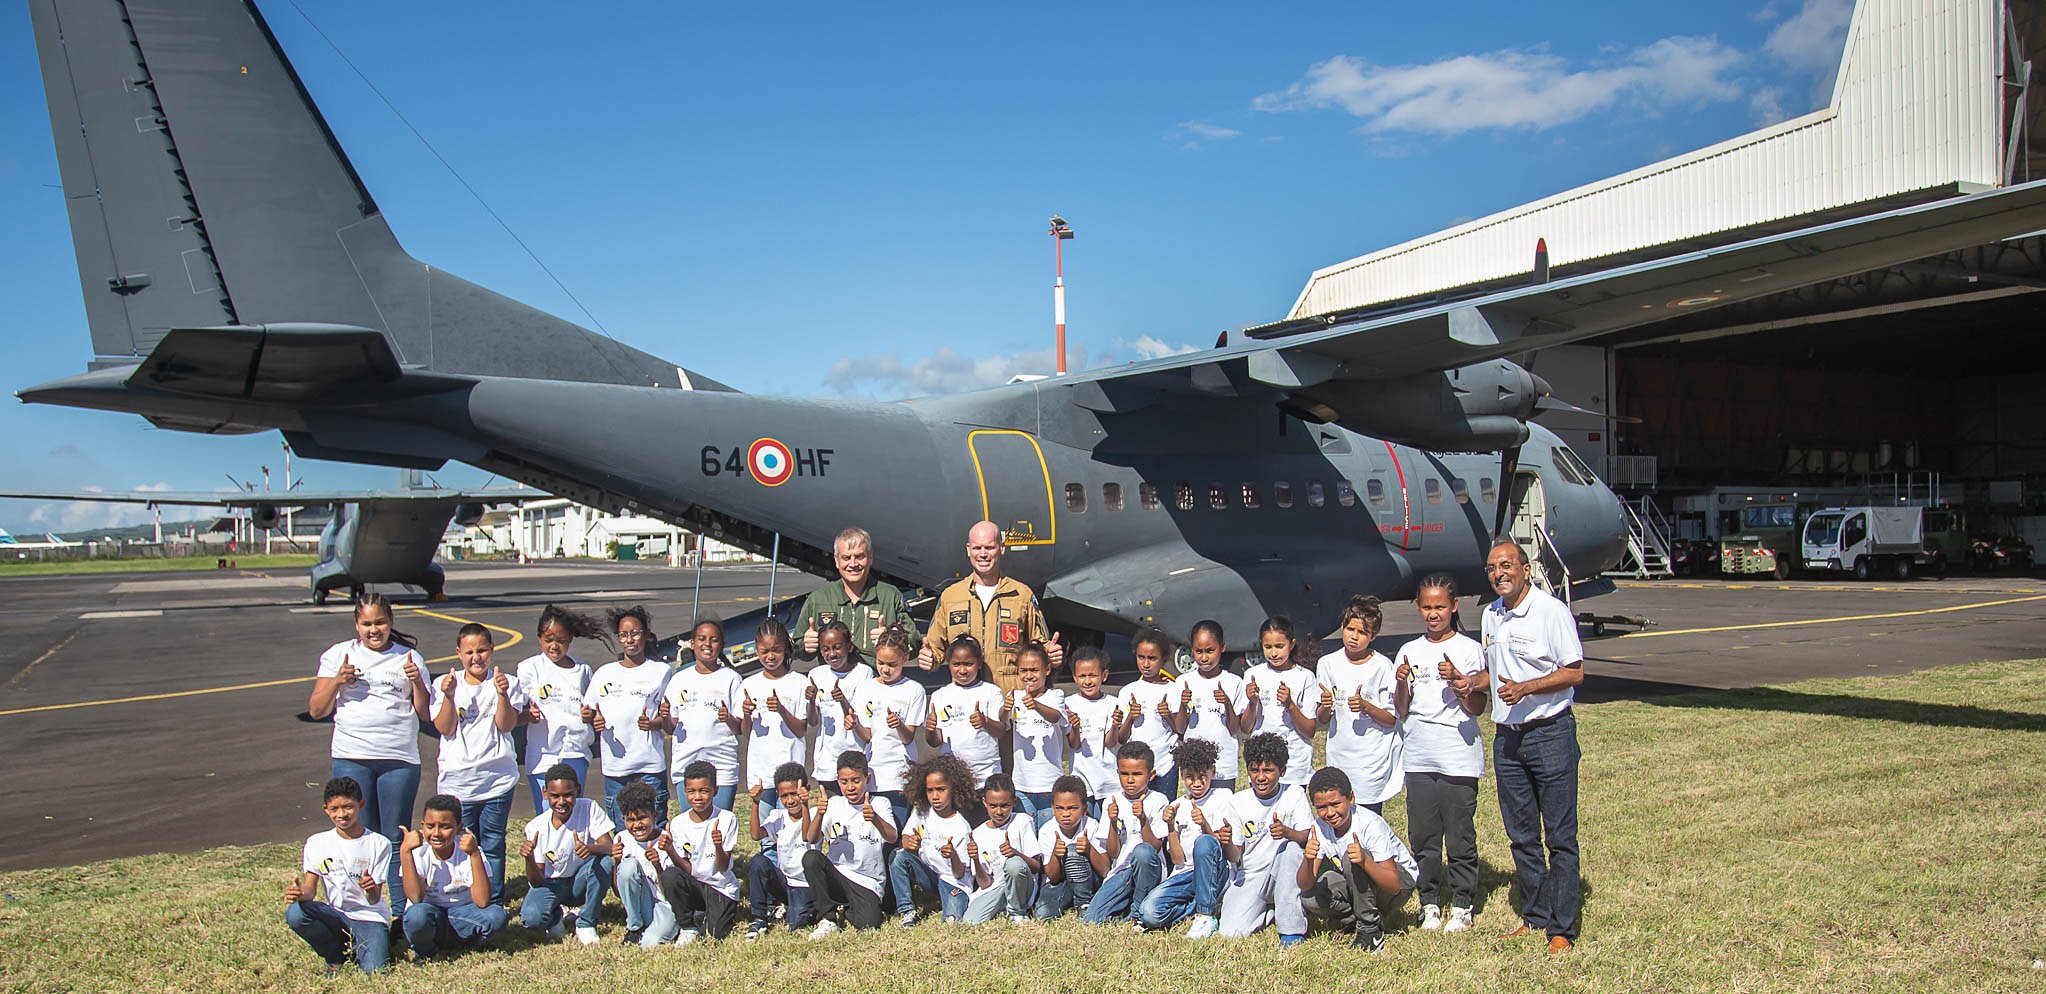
(355, 593)
(1864, 569)
(1902, 569)
(319, 596)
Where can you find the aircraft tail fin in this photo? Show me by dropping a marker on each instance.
(205, 190)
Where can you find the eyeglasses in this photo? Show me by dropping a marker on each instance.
(632, 636)
(1494, 569)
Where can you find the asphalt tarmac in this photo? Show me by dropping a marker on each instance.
(147, 713)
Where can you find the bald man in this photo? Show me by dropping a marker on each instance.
(995, 609)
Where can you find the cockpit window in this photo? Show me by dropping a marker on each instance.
(1570, 467)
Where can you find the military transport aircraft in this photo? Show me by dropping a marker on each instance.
(239, 277)
(375, 536)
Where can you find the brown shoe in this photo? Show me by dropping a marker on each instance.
(1518, 931)
(1558, 944)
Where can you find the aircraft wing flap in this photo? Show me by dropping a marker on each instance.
(290, 364)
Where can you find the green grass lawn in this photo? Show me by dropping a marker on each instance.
(1848, 835)
(13, 567)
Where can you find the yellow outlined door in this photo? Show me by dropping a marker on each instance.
(1015, 486)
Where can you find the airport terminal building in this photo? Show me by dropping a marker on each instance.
(1912, 382)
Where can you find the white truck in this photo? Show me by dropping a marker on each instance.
(1866, 541)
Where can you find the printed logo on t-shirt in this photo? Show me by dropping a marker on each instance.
(947, 712)
(607, 690)
(329, 865)
(468, 714)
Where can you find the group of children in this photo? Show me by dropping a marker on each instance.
(905, 792)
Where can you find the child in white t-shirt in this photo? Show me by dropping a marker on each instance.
(772, 702)
(1354, 871)
(700, 883)
(1362, 699)
(1004, 856)
(887, 712)
(703, 709)
(1262, 844)
(1041, 734)
(1211, 703)
(1092, 721)
(781, 824)
(568, 859)
(1148, 710)
(1195, 825)
(1283, 698)
(833, 686)
(554, 682)
(475, 707)
(965, 717)
(640, 855)
(624, 707)
(344, 867)
(447, 887)
(934, 840)
(1073, 858)
(1444, 756)
(1133, 839)
(845, 870)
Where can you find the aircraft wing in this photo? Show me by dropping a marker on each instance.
(294, 498)
(1312, 351)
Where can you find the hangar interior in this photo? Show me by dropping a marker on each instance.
(1923, 378)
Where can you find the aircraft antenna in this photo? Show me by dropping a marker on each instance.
(452, 171)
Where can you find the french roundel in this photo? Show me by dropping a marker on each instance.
(770, 462)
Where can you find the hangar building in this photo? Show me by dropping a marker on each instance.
(1921, 378)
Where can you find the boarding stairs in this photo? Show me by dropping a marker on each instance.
(1648, 538)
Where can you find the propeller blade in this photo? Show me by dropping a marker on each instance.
(1553, 404)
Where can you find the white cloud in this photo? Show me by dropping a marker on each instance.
(1767, 106)
(1508, 90)
(1212, 132)
(1812, 39)
(887, 374)
(1147, 347)
(85, 515)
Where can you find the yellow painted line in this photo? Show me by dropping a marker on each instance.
(1831, 621)
(1823, 588)
(515, 637)
(53, 650)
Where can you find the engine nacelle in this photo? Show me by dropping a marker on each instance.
(265, 516)
(467, 515)
(1480, 408)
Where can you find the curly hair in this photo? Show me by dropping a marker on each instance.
(1196, 755)
(955, 773)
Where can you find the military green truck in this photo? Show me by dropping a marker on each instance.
(1765, 542)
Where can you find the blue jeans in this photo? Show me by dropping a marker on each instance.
(487, 820)
(907, 870)
(1036, 804)
(768, 887)
(333, 935)
(1536, 770)
(612, 785)
(1074, 890)
(538, 783)
(430, 928)
(545, 898)
(1198, 891)
(644, 912)
(389, 788)
(1124, 891)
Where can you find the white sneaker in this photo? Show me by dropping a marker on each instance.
(1204, 927)
(687, 936)
(586, 934)
(824, 928)
(1019, 919)
(1431, 916)
(908, 919)
(1459, 920)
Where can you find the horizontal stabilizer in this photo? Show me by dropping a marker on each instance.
(285, 364)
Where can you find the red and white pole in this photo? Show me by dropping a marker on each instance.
(1060, 231)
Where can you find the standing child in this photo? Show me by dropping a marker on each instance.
(1071, 844)
(1148, 709)
(935, 840)
(1042, 735)
(640, 861)
(344, 866)
(1444, 756)
(965, 719)
(447, 888)
(568, 859)
(624, 705)
(1354, 871)
(1133, 839)
(1195, 827)
(375, 687)
(1283, 698)
(776, 875)
(1270, 822)
(887, 711)
(1004, 854)
(699, 881)
(772, 702)
(555, 683)
(1093, 718)
(845, 869)
(1211, 703)
(703, 708)
(830, 695)
(475, 708)
(1360, 699)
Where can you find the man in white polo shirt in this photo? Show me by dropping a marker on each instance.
(1535, 661)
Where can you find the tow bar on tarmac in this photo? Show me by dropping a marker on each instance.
(1598, 622)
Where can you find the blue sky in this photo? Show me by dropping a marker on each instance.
(846, 200)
